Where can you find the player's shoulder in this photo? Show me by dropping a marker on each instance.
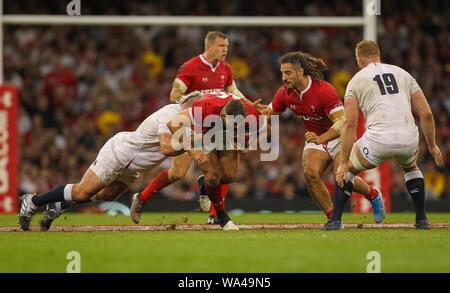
(361, 74)
(166, 112)
(283, 92)
(170, 108)
(396, 69)
(225, 64)
(323, 86)
(191, 63)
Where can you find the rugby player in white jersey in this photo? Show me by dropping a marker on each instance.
(116, 167)
(386, 94)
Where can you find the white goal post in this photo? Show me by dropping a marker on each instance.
(367, 21)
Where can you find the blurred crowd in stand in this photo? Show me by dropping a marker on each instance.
(79, 85)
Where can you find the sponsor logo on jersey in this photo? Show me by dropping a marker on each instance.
(307, 118)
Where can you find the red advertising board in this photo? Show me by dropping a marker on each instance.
(378, 178)
(8, 149)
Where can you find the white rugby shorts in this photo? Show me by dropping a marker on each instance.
(331, 148)
(376, 153)
(122, 162)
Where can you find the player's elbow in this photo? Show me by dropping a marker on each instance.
(349, 124)
(427, 116)
(169, 151)
(166, 149)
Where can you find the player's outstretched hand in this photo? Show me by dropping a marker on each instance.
(437, 155)
(341, 174)
(259, 106)
(312, 137)
(266, 111)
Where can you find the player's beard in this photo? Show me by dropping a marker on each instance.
(290, 85)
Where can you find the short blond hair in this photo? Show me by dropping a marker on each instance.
(213, 35)
(367, 49)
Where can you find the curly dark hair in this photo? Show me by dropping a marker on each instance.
(312, 66)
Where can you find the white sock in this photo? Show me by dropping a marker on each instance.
(351, 177)
(68, 192)
(413, 175)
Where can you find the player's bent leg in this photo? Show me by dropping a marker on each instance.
(229, 165)
(55, 209)
(314, 163)
(415, 184)
(90, 184)
(362, 187)
(111, 192)
(357, 164)
(203, 200)
(215, 189)
(180, 166)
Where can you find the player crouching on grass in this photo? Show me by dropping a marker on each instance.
(116, 167)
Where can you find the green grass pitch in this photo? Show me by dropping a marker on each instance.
(250, 251)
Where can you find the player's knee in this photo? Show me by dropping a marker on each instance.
(311, 175)
(80, 195)
(228, 178)
(176, 174)
(212, 180)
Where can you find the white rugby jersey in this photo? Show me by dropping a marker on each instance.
(141, 148)
(384, 95)
(155, 124)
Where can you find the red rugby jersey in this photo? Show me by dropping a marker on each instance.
(199, 74)
(313, 104)
(212, 104)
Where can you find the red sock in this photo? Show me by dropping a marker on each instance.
(159, 182)
(373, 193)
(223, 194)
(217, 196)
(329, 213)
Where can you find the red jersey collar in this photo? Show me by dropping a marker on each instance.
(209, 64)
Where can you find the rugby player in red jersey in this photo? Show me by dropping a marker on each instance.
(318, 104)
(223, 163)
(208, 72)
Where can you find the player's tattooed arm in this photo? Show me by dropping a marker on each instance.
(333, 132)
(177, 92)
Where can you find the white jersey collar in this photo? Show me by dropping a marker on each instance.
(209, 64)
(306, 89)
